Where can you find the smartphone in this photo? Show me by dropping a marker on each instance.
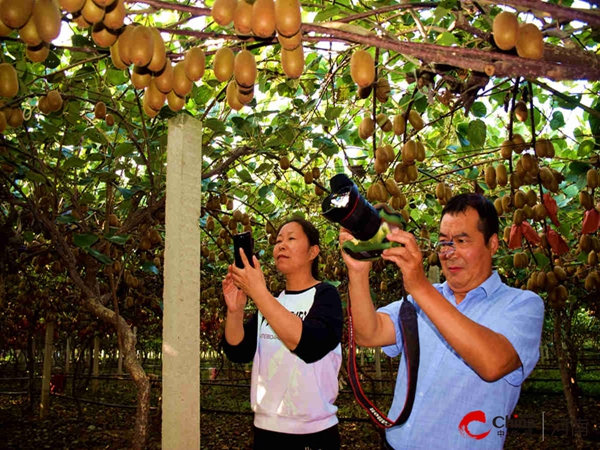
(244, 241)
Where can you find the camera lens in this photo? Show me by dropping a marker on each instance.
(347, 207)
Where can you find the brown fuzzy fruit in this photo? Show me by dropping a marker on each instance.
(194, 64)
(9, 82)
(399, 124)
(181, 83)
(530, 43)
(223, 64)
(244, 69)
(362, 68)
(222, 11)
(288, 17)
(263, 18)
(506, 30)
(47, 18)
(521, 111)
(415, 120)
(100, 110)
(242, 17)
(292, 62)
(16, 13)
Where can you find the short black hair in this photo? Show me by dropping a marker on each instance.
(488, 216)
(313, 236)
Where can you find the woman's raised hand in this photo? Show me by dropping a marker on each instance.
(234, 298)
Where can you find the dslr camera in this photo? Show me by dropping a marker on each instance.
(368, 224)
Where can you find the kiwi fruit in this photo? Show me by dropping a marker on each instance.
(440, 190)
(29, 33)
(291, 43)
(194, 64)
(242, 17)
(124, 44)
(80, 21)
(389, 150)
(505, 29)
(222, 11)
(362, 68)
(284, 163)
(15, 13)
(159, 53)
(181, 83)
(154, 97)
(92, 12)
(244, 69)
(519, 143)
(100, 110)
(399, 124)
(530, 43)
(506, 203)
(288, 17)
(384, 122)
(586, 200)
(400, 173)
(47, 18)
(308, 177)
(392, 187)
(498, 206)
(592, 178)
(114, 17)
(415, 120)
(54, 99)
(3, 122)
(164, 78)
(245, 95)
(382, 90)
(140, 77)
(110, 120)
(501, 175)
(115, 58)
(531, 197)
(175, 102)
(9, 82)
(292, 62)
(520, 199)
(142, 46)
(150, 112)
(16, 118)
(409, 152)
(490, 177)
(263, 18)
(539, 212)
(102, 36)
(506, 149)
(232, 97)
(43, 105)
(521, 111)
(223, 64)
(366, 127)
(71, 6)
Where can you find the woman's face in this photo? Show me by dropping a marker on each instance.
(292, 251)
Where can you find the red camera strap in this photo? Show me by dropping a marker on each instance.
(410, 335)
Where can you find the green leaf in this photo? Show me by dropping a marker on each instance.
(479, 109)
(595, 123)
(120, 239)
(125, 149)
(52, 61)
(245, 176)
(585, 148)
(579, 168)
(99, 256)
(216, 125)
(476, 132)
(115, 77)
(84, 240)
(446, 38)
(149, 266)
(73, 161)
(66, 218)
(333, 112)
(557, 121)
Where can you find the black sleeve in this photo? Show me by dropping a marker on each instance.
(245, 350)
(322, 326)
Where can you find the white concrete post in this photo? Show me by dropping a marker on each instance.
(181, 315)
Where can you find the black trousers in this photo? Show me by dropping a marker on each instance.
(328, 439)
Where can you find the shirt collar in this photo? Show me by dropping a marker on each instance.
(486, 288)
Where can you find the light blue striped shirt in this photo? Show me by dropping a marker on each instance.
(447, 388)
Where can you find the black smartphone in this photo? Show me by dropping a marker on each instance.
(245, 241)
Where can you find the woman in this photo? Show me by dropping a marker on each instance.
(293, 340)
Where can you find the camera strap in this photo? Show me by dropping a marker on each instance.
(410, 337)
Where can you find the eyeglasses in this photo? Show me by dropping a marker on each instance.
(445, 248)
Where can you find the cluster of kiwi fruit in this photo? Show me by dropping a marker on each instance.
(552, 282)
(101, 114)
(153, 71)
(265, 18)
(586, 199)
(51, 102)
(240, 90)
(38, 23)
(443, 192)
(527, 37)
(9, 88)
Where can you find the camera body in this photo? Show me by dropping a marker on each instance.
(245, 242)
(367, 223)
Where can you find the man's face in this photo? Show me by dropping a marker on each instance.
(471, 262)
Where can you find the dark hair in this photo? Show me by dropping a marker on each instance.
(488, 217)
(313, 239)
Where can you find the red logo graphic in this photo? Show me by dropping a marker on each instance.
(473, 416)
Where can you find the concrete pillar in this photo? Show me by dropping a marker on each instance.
(47, 371)
(181, 315)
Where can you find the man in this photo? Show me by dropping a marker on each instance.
(479, 338)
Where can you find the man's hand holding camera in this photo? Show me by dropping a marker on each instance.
(408, 257)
